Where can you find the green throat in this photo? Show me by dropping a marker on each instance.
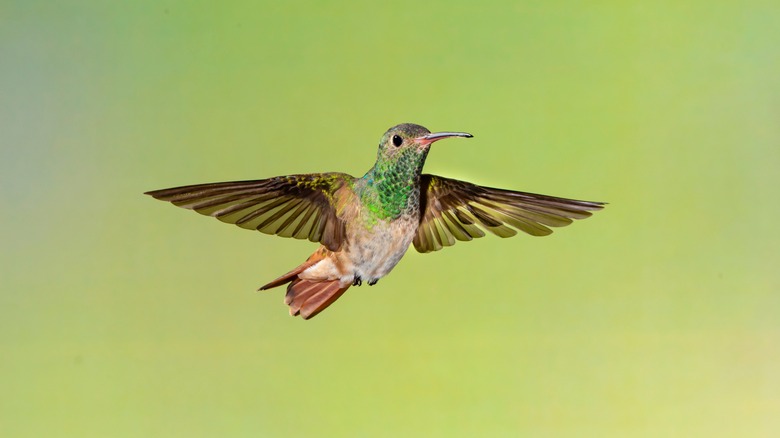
(392, 186)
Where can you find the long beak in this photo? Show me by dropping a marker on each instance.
(436, 136)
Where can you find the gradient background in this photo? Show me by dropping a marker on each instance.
(123, 316)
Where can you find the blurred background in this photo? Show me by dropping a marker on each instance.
(124, 316)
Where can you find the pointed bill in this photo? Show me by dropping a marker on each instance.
(436, 136)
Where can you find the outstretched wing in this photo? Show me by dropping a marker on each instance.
(299, 206)
(460, 210)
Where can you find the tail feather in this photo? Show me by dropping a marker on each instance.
(292, 275)
(298, 292)
(288, 277)
(308, 298)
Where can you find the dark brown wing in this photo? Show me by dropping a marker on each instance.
(458, 210)
(299, 206)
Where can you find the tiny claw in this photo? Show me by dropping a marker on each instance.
(357, 281)
(372, 282)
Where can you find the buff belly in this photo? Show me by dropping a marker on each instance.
(370, 253)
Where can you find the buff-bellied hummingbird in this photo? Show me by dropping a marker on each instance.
(366, 224)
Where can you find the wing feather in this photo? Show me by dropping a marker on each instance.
(457, 210)
(298, 206)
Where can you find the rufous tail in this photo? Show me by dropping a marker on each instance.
(308, 297)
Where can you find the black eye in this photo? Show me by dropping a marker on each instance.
(397, 141)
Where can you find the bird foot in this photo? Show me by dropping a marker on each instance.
(358, 281)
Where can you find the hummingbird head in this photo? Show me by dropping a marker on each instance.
(399, 162)
(406, 138)
(403, 149)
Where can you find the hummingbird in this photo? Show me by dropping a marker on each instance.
(365, 225)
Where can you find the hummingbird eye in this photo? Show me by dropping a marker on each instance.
(397, 140)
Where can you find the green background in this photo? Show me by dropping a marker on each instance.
(124, 316)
